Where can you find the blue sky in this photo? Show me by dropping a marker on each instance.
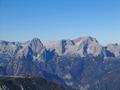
(60, 19)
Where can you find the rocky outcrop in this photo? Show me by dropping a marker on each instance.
(82, 46)
(114, 48)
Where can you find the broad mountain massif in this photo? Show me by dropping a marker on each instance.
(82, 63)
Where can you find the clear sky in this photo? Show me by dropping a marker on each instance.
(60, 19)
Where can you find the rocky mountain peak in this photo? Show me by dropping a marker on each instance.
(114, 48)
(88, 40)
(88, 45)
(36, 45)
(82, 46)
(30, 48)
(8, 48)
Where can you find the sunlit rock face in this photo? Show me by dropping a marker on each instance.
(36, 45)
(114, 48)
(82, 46)
(62, 46)
(68, 62)
(88, 45)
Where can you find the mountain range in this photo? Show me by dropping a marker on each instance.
(82, 63)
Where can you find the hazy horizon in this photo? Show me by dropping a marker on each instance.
(52, 20)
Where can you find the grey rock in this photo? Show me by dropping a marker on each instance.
(72, 62)
(81, 46)
(114, 48)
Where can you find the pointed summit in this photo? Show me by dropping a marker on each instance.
(36, 45)
(35, 40)
(86, 39)
(88, 45)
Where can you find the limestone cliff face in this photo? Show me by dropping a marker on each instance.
(68, 62)
(114, 48)
(82, 46)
